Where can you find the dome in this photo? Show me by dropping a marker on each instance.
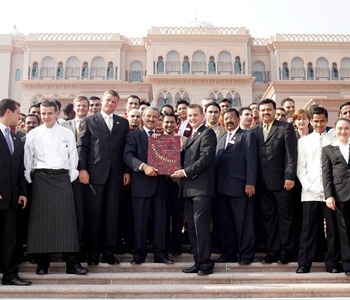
(200, 24)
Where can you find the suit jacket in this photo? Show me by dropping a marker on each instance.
(72, 125)
(237, 165)
(335, 174)
(278, 154)
(135, 153)
(101, 150)
(199, 164)
(12, 182)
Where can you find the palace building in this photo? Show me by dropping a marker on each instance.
(169, 63)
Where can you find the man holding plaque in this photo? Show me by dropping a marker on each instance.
(198, 188)
(147, 191)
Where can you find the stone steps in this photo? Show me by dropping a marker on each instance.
(151, 280)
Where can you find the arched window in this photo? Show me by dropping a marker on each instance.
(35, 71)
(164, 97)
(310, 72)
(186, 65)
(235, 98)
(59, 71)
(224, 63)
(211, 65)
(47, 69)
(98, 69)
(285, 71)
(335, 73)
(160, 65)
(297, 69)
(73, 68)
(110, 71)
(85, 71)
(199, 64)
(237, 65)
(258, 71)
(136, 70)
(345, 68)
(322, 69)
(182, 94)
(18, 75)
(173, 65)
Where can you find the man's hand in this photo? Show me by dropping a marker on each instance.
(22, 200)
(126, 179)
(84, 177)
(288, 184)
(149, 171)
(178, 174)
(330, 202)
(250, 190)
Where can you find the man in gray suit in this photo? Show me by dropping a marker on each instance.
(198, 188)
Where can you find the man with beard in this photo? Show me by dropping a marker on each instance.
(212, 115)
(134, 118)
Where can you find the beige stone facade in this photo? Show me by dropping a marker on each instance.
(176, 62)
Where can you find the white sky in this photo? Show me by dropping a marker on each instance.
(132, 18)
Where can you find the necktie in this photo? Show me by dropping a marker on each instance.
(109, 122)
(8, 140)
(193, 134)
(265, 131)
(228, 138)
(150, 133)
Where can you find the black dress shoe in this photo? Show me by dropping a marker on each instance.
(245, 262)
(93, 260)
(205, 272)
(303, 270)
(333, 270)
(164, 260)
(41, 271)
(283, 260)
(193, 269)
(110, 260)
(77, 270)
(137, 261)
(269, 259)
(15, 281)
(225, 259)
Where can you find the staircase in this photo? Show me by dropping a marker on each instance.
(151, 280)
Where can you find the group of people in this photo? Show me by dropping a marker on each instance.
(91, 188)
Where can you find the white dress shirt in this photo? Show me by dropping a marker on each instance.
(309, 169)
(50, 148)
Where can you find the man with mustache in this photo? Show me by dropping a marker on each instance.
(278, 161)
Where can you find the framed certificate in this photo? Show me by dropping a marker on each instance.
(164, 154)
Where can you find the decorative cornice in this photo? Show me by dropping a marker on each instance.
(199, 79)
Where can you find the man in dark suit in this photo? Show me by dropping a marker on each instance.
(198, 188)
(100, 146)
(148, 191)
(12, 190)
(81, 109)
(278, 161)
(336, 177)
(236, 175)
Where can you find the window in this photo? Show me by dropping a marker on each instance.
(73, 68)
(35, 71)
(237, 65)
(136, 70)
(98, 69)
(258, 71)
(199, 65)
(110, 71)
(173, 65)
(164, 97)
(18, 75)
(310, 71)
(225, 63)
(160, 65)
(186, 66)
(59, 71)
(211, 65)
(322, 69)
(285, 71)
(335, 73)
(85, 71)
(47, 70)
(297, 69)
(345, 68)
(182, 94)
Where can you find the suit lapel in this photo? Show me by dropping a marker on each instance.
(338, 154)
(274, 127)
(3, 141)
(190, 141)
(101, 121)
(115, 123)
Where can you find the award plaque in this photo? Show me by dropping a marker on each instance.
(164, 154)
